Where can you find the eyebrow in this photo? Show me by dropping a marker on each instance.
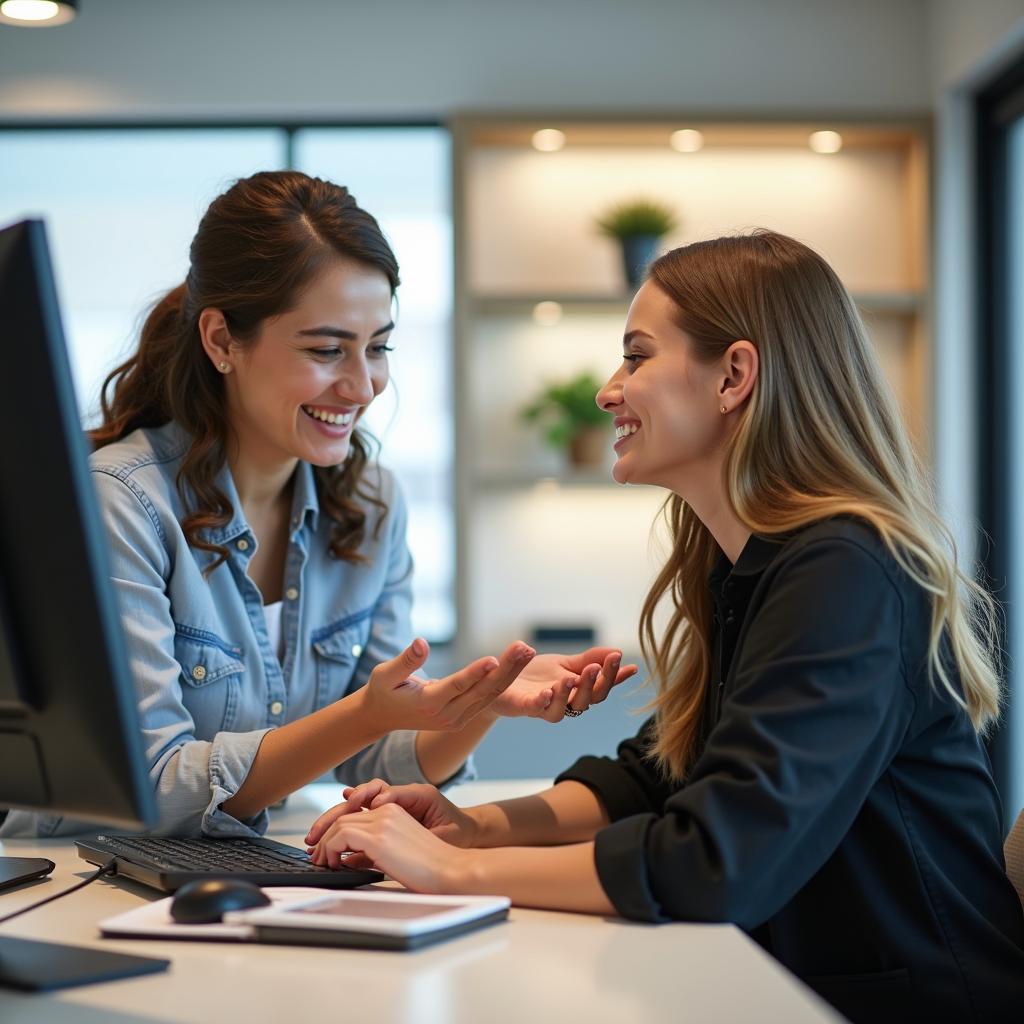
(630, 335)
(327, 331)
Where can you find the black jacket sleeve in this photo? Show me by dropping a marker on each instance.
(626, 784)
(814, 712)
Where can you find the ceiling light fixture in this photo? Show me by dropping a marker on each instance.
(825, 142)
(547, 314)
(686, 140)
(548, 140)
(37, 13)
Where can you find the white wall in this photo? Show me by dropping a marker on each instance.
(338, 58)
(966, 35)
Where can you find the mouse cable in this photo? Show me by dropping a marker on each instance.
(107, 869)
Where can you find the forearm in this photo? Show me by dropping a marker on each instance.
(441, 754)
(553, 879)
(566, 813)
(298, 753)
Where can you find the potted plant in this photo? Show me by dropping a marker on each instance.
(573, 422)
(638, 226)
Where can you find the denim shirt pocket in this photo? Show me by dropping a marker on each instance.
(212, 671)
(338, 648)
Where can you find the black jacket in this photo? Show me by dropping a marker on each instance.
(841, 809)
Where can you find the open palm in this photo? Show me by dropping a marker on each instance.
(548, 683)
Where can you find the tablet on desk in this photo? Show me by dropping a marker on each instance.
(372, 920)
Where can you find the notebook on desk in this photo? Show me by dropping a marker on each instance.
(167, 863)
(375, 918)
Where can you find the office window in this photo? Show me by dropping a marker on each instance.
(401, 176)
(122, 205)
(1001, 334)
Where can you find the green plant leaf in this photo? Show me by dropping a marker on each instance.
(565, 408)
(637, 217)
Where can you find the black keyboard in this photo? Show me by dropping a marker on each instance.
(167, 863)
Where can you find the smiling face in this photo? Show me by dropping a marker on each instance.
(670, 430)
(297, 390)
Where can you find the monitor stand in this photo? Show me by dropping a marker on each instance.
(44, 966)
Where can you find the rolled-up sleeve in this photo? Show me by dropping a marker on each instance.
(392, 758)
(191, 778)
(817, 710)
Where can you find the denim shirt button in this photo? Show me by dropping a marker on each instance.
(199, 673)
(242, 545)
(276, 708)
(357, 649)
(292, 593)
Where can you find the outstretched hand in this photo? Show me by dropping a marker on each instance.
(551, 682)
(396, 698)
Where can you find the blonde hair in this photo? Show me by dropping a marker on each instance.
(820, 436)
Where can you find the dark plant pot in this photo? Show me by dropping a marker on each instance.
(637, 253)
(588, 447)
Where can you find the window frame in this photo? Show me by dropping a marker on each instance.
(997, 107)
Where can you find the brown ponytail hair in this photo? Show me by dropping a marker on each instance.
(257, 247)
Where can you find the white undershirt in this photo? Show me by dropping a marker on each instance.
(272, 613)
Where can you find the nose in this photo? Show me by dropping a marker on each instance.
(355, 383)
(611, 394)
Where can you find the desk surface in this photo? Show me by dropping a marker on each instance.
(537, 967)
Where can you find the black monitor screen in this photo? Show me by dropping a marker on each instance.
(69, 733)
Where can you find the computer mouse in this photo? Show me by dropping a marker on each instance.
(206, 902)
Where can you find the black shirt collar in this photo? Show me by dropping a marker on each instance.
(756, 556)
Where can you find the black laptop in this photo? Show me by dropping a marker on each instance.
(167, 863)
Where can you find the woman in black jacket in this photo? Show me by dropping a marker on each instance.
(813, 770)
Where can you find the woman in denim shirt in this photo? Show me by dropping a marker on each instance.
(258, 555)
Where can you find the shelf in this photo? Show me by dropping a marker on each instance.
(906, 303)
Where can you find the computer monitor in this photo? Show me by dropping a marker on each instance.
(70, 741)
(69, 733)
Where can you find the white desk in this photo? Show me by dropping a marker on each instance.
(537, 967)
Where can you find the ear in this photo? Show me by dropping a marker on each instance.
(740, 366)
(216, 337)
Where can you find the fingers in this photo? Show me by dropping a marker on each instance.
(560, 694)
(582, 696)
(473, 700)
(611, 674)
(593, 655)
(399, 668)
(356, 798)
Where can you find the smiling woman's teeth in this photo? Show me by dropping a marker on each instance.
(625, 430)
(342, 419)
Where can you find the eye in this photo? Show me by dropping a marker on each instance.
(634, 359)
(326, 353)
(381, 349)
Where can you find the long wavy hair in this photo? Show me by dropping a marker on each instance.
(820, 436)
(257, 247)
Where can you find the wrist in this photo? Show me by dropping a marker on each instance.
(366, 718)
(484, 827)
(462, 873)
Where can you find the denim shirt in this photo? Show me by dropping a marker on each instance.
(209, 685)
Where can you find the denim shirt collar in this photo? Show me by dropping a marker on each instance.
(305, 503)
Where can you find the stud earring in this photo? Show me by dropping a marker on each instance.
(223, 367)
(723, 408)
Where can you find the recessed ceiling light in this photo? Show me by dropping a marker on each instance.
(37, 13)
(686, 140)
(548, 140)
(825, 142)
(547, 314)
